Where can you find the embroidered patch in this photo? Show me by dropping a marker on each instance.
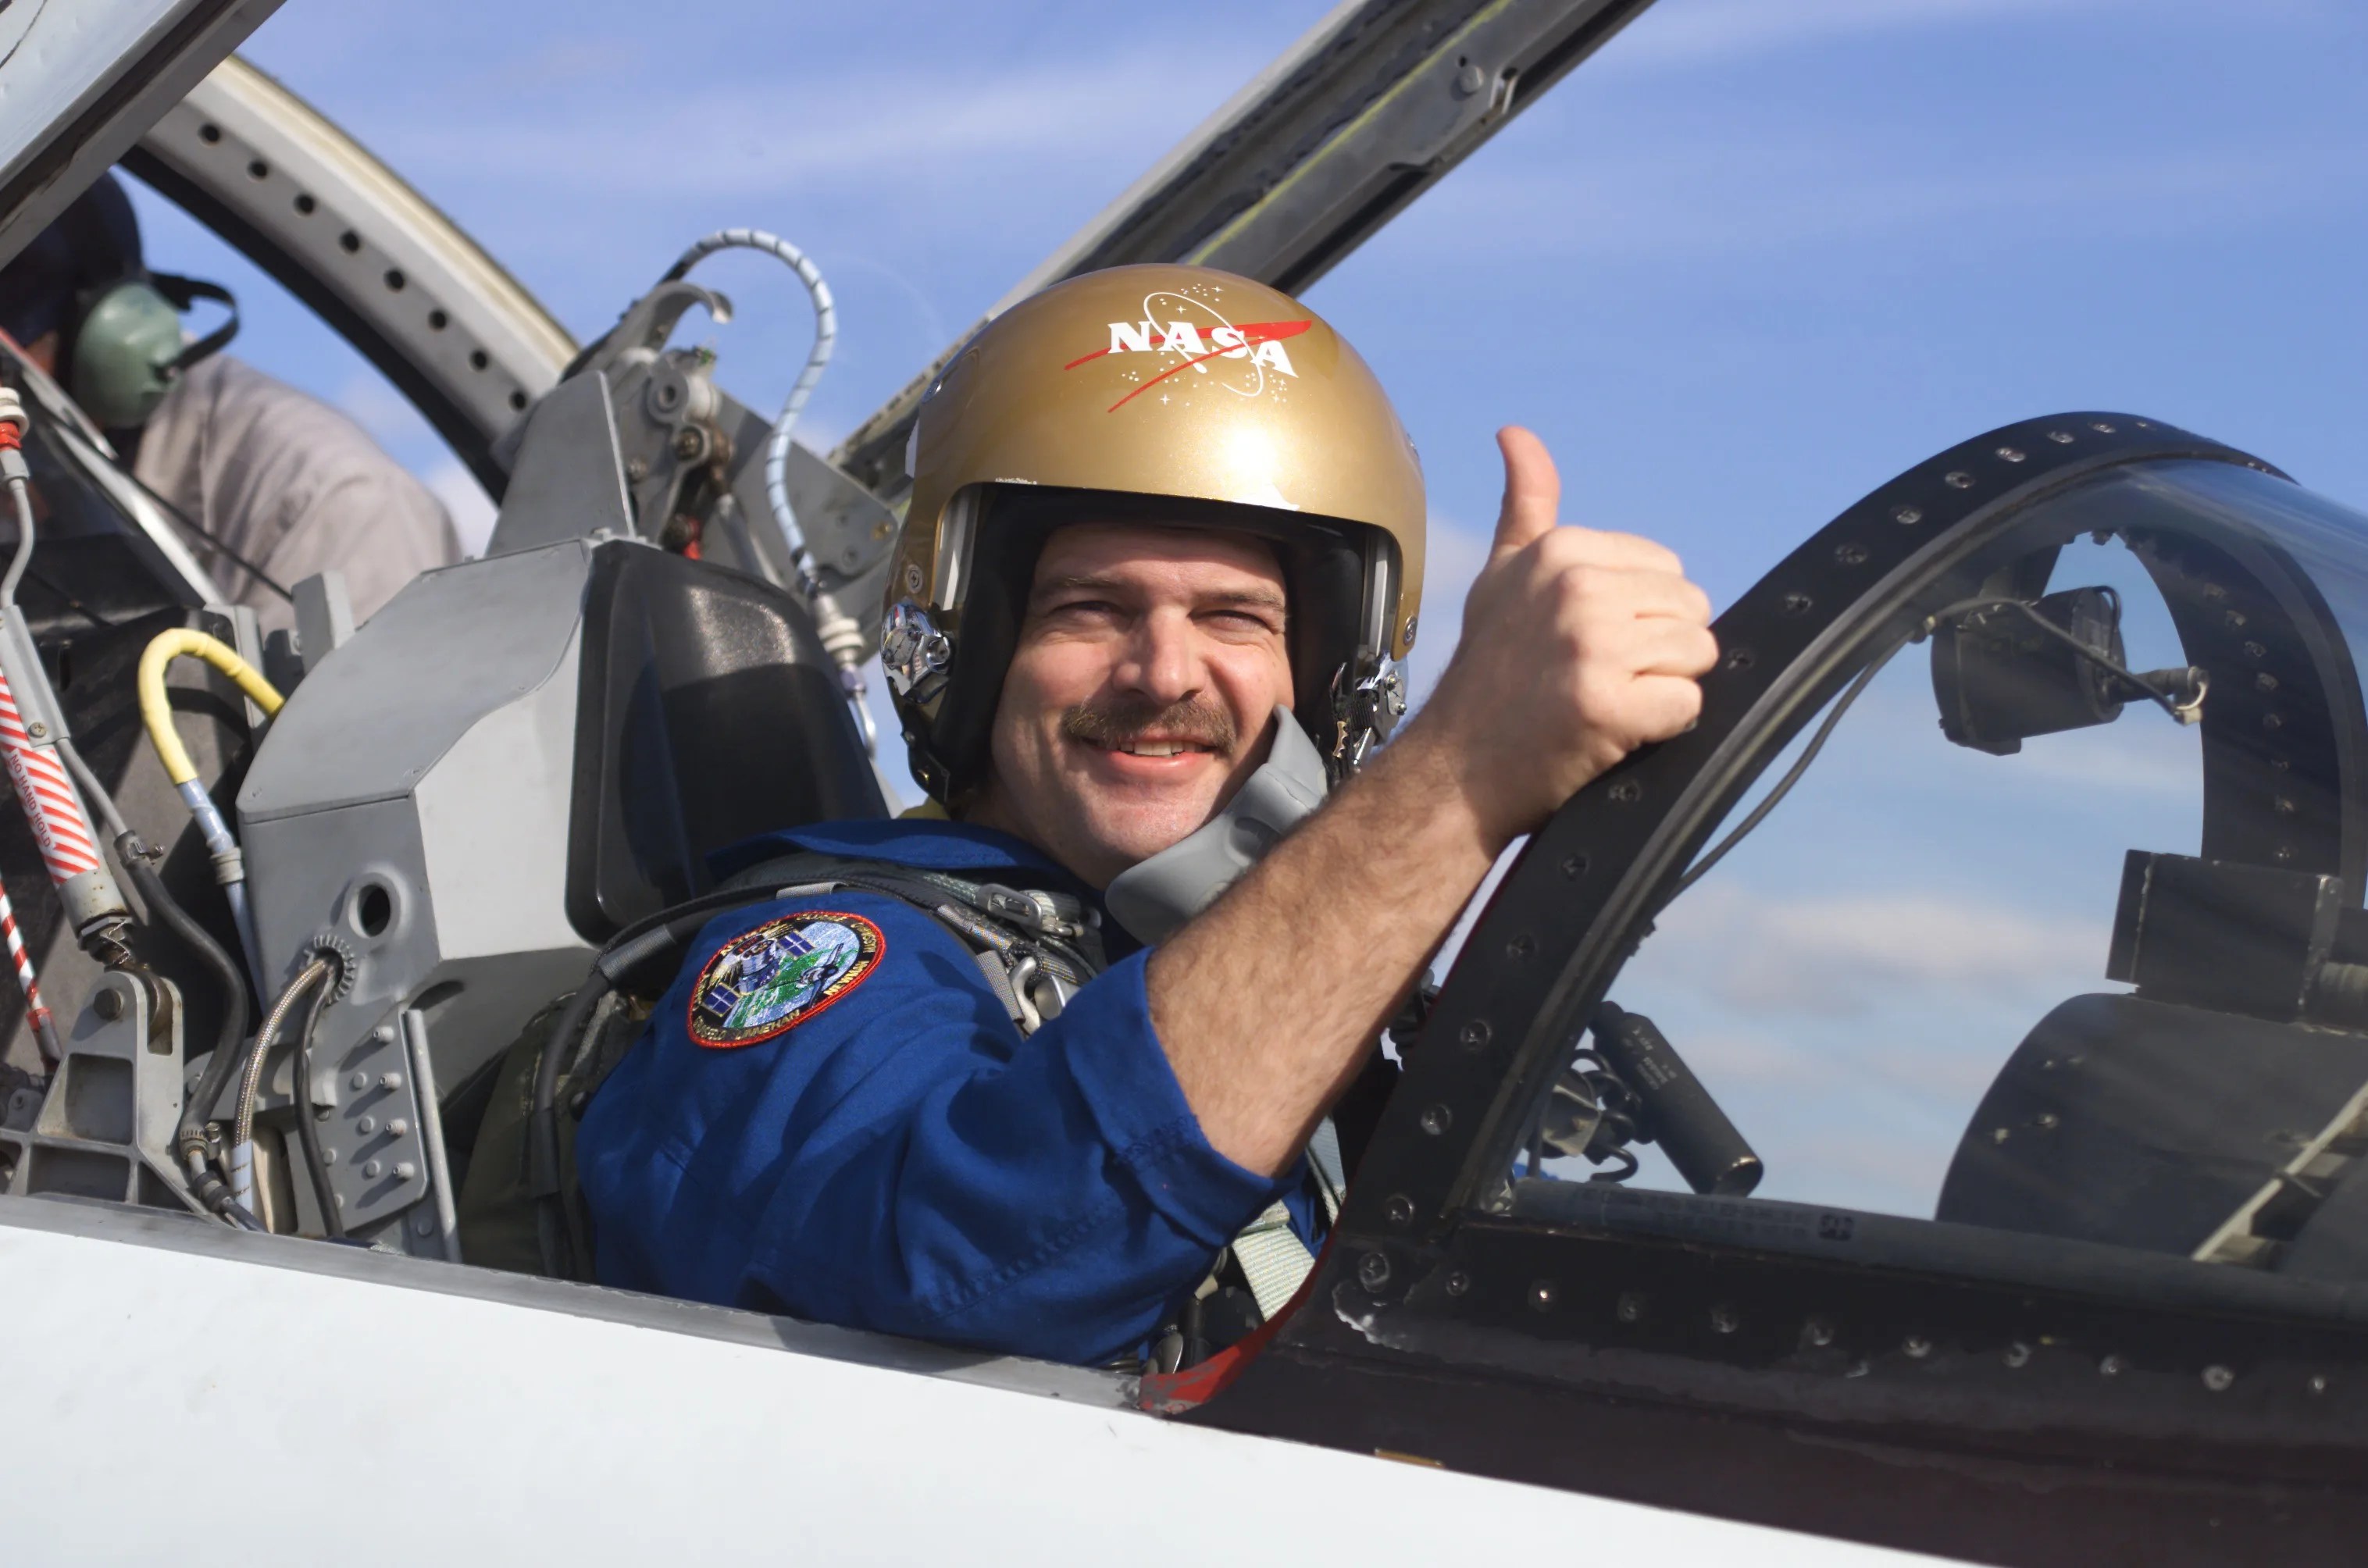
(766, 982)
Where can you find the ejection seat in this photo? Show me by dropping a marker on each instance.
(708, 713)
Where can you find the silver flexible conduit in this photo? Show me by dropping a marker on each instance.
(840, 634)
(776, 451)
(242, 1138)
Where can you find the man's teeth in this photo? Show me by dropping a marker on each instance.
(1155, 748)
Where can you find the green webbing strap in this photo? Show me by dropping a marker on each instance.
(1274, 1261)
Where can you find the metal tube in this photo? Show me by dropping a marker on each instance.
(13, 467)
(842, 638)
(69, 845)
(777, 450)
(45, 1028)
(242, 1149)
(431, 1132)
(230, 872)
(61, 824)
(1679, 1112)
(95, 791)
(24, 553)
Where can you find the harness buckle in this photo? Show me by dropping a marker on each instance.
(1038, 911)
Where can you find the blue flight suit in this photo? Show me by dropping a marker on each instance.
(900, 1158)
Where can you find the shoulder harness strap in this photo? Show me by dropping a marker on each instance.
(1035, 947)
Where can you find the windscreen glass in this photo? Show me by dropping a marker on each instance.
(1932, 980)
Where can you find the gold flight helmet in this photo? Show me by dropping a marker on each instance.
(1167, 395)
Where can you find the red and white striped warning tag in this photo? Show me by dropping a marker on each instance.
(68, 844)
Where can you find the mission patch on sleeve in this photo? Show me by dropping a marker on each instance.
(766, 982)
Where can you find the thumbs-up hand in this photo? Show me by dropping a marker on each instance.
(1578, 648)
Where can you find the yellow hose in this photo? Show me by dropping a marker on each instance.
(157, 713)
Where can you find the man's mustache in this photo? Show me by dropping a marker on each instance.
(1114, 721)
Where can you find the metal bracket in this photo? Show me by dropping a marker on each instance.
(567, 477)
(366, 1114)
(847, 531)
(105, 1127)
(325, 617)
(370, 1127)
(647, 323)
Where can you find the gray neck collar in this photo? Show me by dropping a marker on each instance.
(1151, 899)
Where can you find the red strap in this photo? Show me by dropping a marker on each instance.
(1172, 1394)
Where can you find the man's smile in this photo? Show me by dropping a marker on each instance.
(1138, 743)
(1147, 759)
(1147, 746)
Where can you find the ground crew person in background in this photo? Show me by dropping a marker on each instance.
(278, 484)
(1164, 547)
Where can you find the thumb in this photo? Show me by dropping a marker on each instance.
(1533, 492)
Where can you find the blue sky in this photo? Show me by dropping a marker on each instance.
(1738, 269)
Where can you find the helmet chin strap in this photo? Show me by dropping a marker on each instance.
(1153, 898)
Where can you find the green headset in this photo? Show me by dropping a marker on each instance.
(118, 324)
(126, 349)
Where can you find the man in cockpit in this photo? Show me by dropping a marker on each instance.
(271, 485)
(1051, 1075)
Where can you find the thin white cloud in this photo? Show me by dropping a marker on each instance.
(1750, 1059)
(890, 133)
(2143, 753)
(1838, 956)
